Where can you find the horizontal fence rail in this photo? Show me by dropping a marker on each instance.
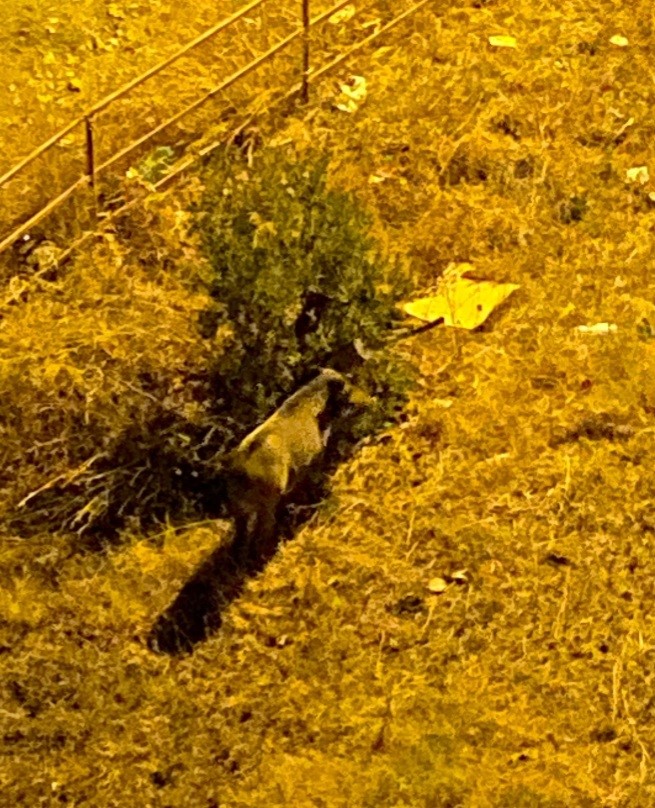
(301, 89)
(107, 100)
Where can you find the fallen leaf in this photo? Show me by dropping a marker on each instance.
(380, 176)
(502, 41)
(462, 302)
(638, 174)
(598, 328)
(437, 586)
(346, 13)
(355, 88)
(498, 458)
(347, 105)
(352, 94)
(619, 41)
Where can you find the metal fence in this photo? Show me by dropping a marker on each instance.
(88, 180)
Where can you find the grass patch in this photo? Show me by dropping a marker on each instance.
(337, 677)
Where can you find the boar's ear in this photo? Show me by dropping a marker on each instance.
(340, 383)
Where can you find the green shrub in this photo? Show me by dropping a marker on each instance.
(296, 280)
(295, 284)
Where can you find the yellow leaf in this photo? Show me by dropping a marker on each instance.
(619, 41)
(462, 302)
(502, 41)
(352, 94)
(598, 328)
(638, 174)
(342, 16)
(348, 105)
(355, 88)
(437, 586)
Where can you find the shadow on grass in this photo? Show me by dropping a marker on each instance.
(196, 613)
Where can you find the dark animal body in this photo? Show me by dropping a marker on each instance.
(273, 458)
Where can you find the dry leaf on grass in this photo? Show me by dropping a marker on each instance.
(437, 586)
(461, 301)
(502, 41)
(352, 95)
(620, 41)
(638, 174)
(598, 328)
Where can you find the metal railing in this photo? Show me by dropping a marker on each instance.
(89, 178)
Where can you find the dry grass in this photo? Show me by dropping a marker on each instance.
(337, 678)
(58, 62)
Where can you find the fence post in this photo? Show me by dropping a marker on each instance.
(91, 161)
(304, 93)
